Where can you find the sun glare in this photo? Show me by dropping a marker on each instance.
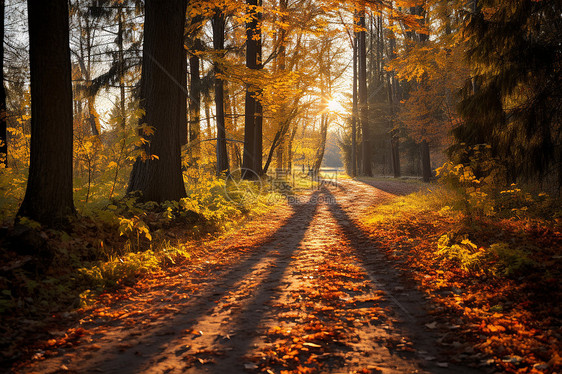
(334, 106)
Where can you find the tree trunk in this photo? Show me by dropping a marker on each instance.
(184, 97)
(426, 163)
(93, 117)
(3, 123)
(248, 158)
(237, 156)
(277, 142)
(194, 107)
(425, 157)
(290, 148)
(194, 126)
(395, 139)
(252, 158)
(208, 117)
(354, 110)
(121, 69)
(48, 197)
(395, 150)
(218, 44)
(159, 176)
(281, 67)
(363, 105)
(183, 124)
(322, 146)
(280, 153)
(258, 138)
(85, 63)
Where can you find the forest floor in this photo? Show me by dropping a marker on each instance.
(304, 289)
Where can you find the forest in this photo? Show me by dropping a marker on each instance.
(280, 186)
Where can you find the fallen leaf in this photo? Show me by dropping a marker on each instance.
(313, 345)
(431, 325)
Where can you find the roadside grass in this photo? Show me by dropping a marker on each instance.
(494, 278)
(47, 271)
(46, 274)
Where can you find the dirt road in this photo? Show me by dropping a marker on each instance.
(302, 290)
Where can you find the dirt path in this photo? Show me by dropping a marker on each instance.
(301, 290)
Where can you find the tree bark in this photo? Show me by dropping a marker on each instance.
(218, 44)
(280, 134)
(426, 162)
(281, 67)
(160, 178)
(279, 154)
(48, 197)
(184, 97)
(395, 149)
(3, 123)
(354, 110)
(425, 155)
(394, 136)
(183, 131)
(121, 69)
(363, 104)
(252, 158)
(194, 106)
(322, 146)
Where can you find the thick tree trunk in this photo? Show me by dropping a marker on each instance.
(184, 97)
(218, 44)
(3, 123)
(48, 197)
(252, 158)
(363, 104)
(159, 177)
(426, 162)
(249, 155)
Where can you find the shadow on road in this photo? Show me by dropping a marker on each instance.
(407, 304)
(110, 360)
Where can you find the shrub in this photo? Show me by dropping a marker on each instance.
(462, 252)
(511, 261)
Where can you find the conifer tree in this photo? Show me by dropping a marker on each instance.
(515, 51)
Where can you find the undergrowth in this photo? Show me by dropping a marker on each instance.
(114, 245)
(115, 238)
(488, 254)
